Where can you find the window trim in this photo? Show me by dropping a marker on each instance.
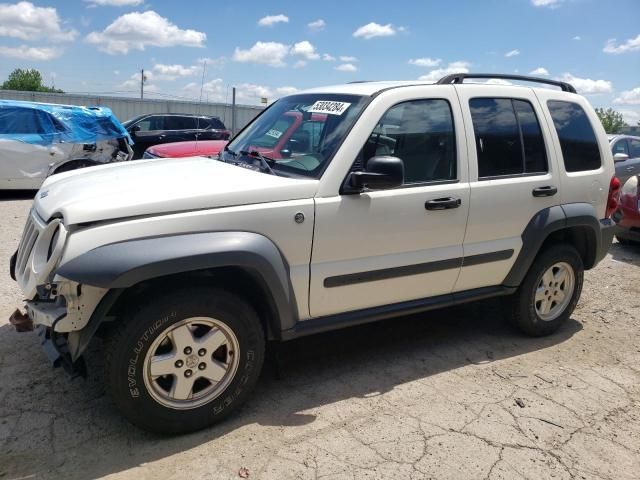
(524, 159)
(344, 187)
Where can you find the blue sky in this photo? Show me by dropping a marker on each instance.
(273, 48)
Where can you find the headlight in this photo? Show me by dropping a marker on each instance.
(48, 249)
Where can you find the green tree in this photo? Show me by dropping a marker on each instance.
(28, 81)
(612, 121)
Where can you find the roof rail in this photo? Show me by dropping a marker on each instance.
(459, 78)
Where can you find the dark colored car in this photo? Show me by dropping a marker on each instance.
(626, 154)
(156, 128)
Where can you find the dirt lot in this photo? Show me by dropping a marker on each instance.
(450, 394)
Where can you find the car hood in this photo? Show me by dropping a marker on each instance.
(151, 187)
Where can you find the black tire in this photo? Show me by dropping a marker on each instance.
(521, 306)
(128, 344)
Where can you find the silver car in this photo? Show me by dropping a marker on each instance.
(626, 154)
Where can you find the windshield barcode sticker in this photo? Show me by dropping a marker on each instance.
(274, 133)
(326, 106)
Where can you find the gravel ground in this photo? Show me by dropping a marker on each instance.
(450, 394)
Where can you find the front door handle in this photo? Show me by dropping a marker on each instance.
(547, 191)
(443, 203)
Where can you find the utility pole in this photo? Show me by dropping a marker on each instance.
(142, 84)
(233, 111)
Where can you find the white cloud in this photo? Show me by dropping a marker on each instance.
(212, 91)
(348, 58)
(629, 97)
(328, 58)
(453, 67)
(305, 49)
(171, 72)
(546, 3)
(540, 71)
(136, 30)
(286, 90)
(317, 25)
(346, 67)
(512, 53)
(133, 82)
(25, 21)
(266, 53)
(30, 53)
(577, 37)
(587, 86)
(271, 20)
(114, 3)
(631, 45)
(425, 62)
(632, 117)
(373, 29)
(300, 64)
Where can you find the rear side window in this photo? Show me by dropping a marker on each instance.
(508, 137)
(179, 123)
(214, 123)
(577, 139)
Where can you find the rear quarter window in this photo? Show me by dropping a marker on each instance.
(578, 141)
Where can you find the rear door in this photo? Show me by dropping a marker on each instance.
(512, 176)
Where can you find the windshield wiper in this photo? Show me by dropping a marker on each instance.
(264, 161)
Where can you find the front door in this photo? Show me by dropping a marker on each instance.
(388, 246)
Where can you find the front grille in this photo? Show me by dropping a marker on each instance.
(32, 230)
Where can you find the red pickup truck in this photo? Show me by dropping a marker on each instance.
(288, 135)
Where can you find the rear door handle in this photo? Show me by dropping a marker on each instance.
(443, 203)
(547, 191)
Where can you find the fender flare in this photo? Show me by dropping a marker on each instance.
(118, 266)
(544, 223)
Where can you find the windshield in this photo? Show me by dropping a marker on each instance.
(300, 133)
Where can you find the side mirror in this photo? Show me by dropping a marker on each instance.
(285, 152)
(382, 172)
(620, 157)
(134, 129)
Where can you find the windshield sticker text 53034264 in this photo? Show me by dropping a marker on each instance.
(327, 106)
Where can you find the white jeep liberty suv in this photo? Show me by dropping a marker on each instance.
(391, 198)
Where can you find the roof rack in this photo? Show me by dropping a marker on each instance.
(459, 78)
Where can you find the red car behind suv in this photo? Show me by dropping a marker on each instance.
(291, 134)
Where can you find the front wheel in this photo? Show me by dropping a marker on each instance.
(549, 293)
(186, 360)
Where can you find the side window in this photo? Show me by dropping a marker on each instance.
(577, 139)
(151, 123)
(216, 123)
(508, 137)
(634, 148)
(421, 134)
(620, 147)
(21, 121)
(179, 123)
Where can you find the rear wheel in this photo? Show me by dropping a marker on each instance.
(185, 361)
(549, 293)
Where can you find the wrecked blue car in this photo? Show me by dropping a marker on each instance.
(38, 140)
